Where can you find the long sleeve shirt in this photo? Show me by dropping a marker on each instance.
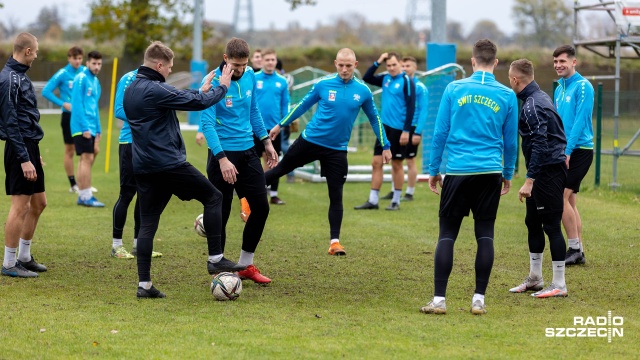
(338, 105)
(62, 80)
(85, 114)
(422, 107)
(272, 93)
(398, 98)
(574, 101)
(125, 132)
(477, 122)
(230, 124)
(543, 138)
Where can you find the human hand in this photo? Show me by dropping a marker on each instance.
(506, 186)
(228, 170)
(225, 77)
(386, 156)
(29, 171)
(383, 57)
(433, 181)
(415, 139)
(404, 138)
(199, 138)
(274, 132)
(67, 106)
(525, 190)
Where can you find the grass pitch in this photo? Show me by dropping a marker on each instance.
(364, 305)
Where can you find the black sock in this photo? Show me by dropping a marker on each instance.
(72, 180)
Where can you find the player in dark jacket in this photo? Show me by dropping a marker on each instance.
(159, 158)
(543, 147)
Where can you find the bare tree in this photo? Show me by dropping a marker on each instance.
(546, 23)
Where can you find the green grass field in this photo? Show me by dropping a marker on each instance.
(362, 306)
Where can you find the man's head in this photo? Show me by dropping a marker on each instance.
(236, 55)
(269, 61)
(564, 61)
(484, 54)
(409, 65)
(257, 59)
(345, 63)
(94, 62)
(159, 57)
(74, 56)
(393, 63)
(520, 74)
(25, 48)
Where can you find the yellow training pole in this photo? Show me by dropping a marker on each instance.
(111, 101)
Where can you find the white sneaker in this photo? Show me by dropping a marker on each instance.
(528, 284)
(478, 308)
(74, 189)
(433, 308)
(94, 190)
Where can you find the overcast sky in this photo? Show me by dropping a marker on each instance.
(277, 13)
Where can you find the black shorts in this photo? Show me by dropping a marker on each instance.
(127, 178)
(478, 193)
(84, 145)
(65, 123)
(411, 150)
(250, 178)
(15, 183)
(185, 182)
(334, 165)
(579, 165)
(548, 188)
(277, 144)
(397, 150)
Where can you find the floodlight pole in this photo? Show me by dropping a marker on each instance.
(198, 66)
(439, 21)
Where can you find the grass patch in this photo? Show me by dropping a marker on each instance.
(364, 305)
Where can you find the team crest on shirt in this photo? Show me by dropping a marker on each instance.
(332, 95)
(89, 92)
(70, 84)
(397, 85)
(248, 93)
(568, 98)
(387, 83)
(228, 101)
(259, 84)
(278, 85)
(356, 97)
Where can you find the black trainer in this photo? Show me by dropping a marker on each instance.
(407, 197)
(393, 206)
(276, 201)
(389, 196)
(223, 265)
(150, 293)
(574, 257)
(367, 206)
(32, 265)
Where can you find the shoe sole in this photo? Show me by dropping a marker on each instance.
(476, 311)
(544, 296)
(434, 311)
(338, 253)
(518, 291)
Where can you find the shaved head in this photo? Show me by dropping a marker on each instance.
(23, 41)
(346, 53)
(346, 64)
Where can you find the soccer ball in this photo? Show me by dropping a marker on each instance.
(226, 286)
(198, 225)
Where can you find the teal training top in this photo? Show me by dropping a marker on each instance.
(477, 122)
(63, 80)
(339, 103)
(272, 93)
(85, 114)
(125, 132)
(573, 99)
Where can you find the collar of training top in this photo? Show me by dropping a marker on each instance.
(149, 73)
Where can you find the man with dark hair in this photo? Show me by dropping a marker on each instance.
(398, 106)
(63, 80)
(543, 147)
(160, 160)
(477, 123)
(256, 60)
(339, 97)
(233, 163)
(85, 125)
(24, 181)
(573, 99)
(272, 94)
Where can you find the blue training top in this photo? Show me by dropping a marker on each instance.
(477, 122)
(422, 107)
(125, 132)
(272, 93)
(573, 99)
(231, 123)
(63, 80)
(338, 105)
(85, 114)
(398, 97)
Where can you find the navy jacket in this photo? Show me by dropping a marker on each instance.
(19, 115)
(541, 129)
(150, 105)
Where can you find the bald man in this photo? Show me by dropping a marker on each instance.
(339, 97)
(21, 131)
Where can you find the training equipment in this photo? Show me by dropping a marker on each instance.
(252, 273)
(433, 308)
(198, 225)
(528, 284)
(552, 290)
(226, 286)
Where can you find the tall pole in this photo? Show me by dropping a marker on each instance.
(198, 66)
(197, 31)
(439, 21)
(616, 115)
